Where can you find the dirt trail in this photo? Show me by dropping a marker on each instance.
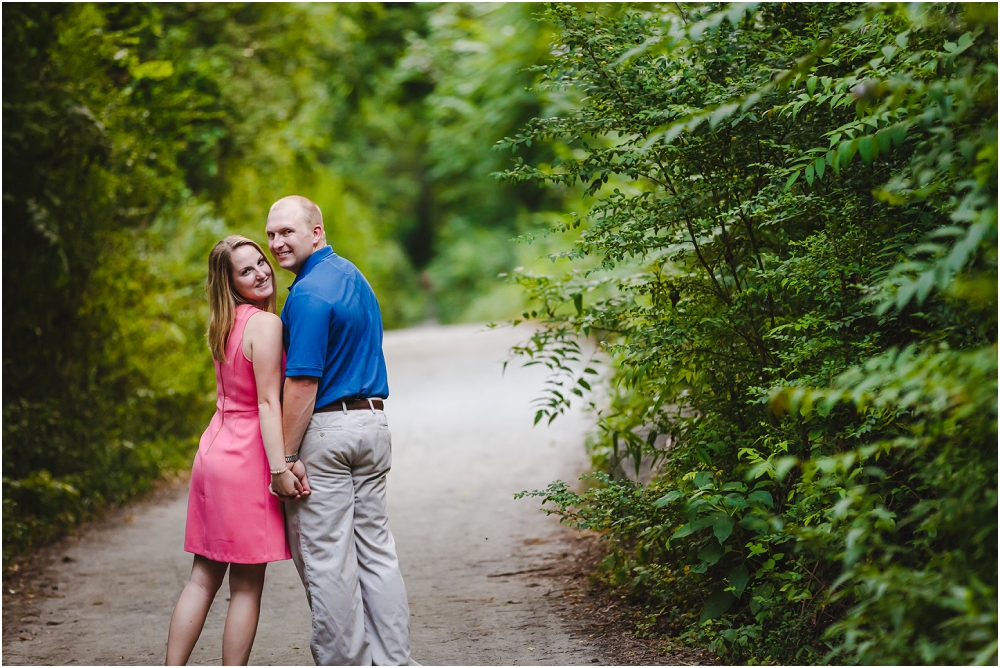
(463, 444)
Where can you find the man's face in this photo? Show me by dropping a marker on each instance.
(290, 240)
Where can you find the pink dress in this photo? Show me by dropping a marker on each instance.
(231, 515)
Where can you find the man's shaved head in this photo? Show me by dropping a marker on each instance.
(294, 231)
(302, 206)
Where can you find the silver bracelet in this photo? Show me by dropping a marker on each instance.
(291, 459)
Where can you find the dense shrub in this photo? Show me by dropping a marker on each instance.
(795, 218)
(92, 142)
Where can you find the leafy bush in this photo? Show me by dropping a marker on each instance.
(88, 417)
(795, 217)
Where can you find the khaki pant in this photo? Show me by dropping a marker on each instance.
(340, 540)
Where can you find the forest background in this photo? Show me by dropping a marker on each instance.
(778, 221)
(136, 136)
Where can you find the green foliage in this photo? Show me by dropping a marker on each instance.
(92, 142)
(795, 224)
(468, 85)
(135, 136)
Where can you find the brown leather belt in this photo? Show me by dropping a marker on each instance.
(353, 405)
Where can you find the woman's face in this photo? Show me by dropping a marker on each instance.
(252, 276)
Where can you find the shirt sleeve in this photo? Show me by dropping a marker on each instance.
(308, 335)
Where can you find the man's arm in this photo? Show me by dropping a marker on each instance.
(297, 409)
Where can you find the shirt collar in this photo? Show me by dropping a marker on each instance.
(318, 256)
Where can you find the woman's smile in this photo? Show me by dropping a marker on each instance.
(252, 275)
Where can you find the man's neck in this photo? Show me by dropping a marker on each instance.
(297, 270)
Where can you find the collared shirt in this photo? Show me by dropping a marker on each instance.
(333, 330)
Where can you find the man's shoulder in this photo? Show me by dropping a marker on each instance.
(340, 265)
(308, 294)
(330, 276)
(322, 283)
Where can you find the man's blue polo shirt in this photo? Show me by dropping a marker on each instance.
(333, 330)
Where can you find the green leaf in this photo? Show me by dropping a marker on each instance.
(904, 294)
(750, 101)
(722, 527)
(672, 132)
(810, 174)
(684, 530)
(738, 579)
(783, 466)
(792, 179)
(820, 167)
(755, 524)
(153, 69)
(668, 498)
(867, 148)
(692, 527)
(845, 152)
(716, 605)
(711, 553)
(761, 496)
(898, 133)
(883, 140)
(924, 285)
(722, 113)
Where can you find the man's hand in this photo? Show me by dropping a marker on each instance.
(300, 399)
(299, 470)
(286, 486)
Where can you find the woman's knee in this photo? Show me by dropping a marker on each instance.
(246, 578)
(207, 574)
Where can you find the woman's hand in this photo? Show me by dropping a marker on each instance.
(286, 486)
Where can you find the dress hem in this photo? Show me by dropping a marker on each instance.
(255, 560)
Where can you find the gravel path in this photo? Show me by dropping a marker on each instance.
(463, 445)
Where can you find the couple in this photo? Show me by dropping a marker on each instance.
(307, 429)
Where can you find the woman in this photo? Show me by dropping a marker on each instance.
(234, 519)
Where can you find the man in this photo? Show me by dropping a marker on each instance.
(336, 380)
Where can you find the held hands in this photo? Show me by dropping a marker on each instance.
(299, 470)
(290, 484)
(285, 486)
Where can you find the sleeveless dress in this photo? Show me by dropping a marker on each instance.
(231, 515)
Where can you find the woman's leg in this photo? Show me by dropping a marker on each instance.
(246, 584)
(192, 608)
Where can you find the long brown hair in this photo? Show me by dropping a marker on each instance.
(223, 297)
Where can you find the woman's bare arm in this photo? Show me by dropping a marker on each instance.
(262, 346)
